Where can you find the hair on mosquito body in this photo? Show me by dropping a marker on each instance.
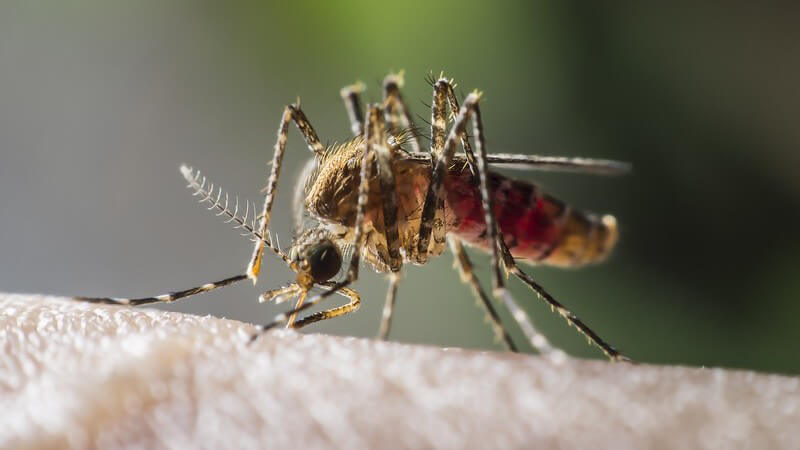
(383, 199)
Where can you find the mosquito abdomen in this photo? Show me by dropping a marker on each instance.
(585, 238)
(535, 225)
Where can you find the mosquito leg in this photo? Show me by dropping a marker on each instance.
(395, 109)
(433, 211)
(351, 306)
(464, 265)
(494, 236)
(434, 198)
(443, 96)
(171, 297)
(388, 307)
(438, 116)
(280, 294)
(352, 102)
(453, 103)
(571, 318)
(300, 300)
(385, 157)
(537, 340)
(441, 154)
(212, 196)
(444, 87)
(293, 113)
(486, 199)
(367, 166)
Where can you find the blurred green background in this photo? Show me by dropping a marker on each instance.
(101, 101)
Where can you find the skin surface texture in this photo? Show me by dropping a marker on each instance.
(76, 375)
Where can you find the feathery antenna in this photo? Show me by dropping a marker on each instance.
(217, 199)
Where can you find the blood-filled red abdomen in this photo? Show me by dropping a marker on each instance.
(535, 226)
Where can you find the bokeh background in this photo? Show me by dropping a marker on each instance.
(101, 101)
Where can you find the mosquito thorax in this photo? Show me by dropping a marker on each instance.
(331, 190)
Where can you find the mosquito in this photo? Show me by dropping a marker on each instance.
(379, 197)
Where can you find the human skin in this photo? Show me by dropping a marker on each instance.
(75, 375)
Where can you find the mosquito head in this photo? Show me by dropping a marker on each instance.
(316, 257)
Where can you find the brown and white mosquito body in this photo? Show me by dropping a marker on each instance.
(380, 198)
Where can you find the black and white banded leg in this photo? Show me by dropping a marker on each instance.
(434, 198)
(388, 307)
(511, 265)
(463, 264)
(351, 306)
(493, 234)
(442, 151)
(290, 113)
(396, 112)
(384, 155)
(218, 201)
(352, 102)
(445, 106)
(166, 298)
(368, 161)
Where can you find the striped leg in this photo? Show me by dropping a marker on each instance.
(395, 110)
(443, 97)
(293, 113)
(432, 219)
(171, 297)
(352, 102)
(493, 235)
(571, 318)
(384, 155)
(464, 265)
(453, 103)
(394, 260)
(438, 115)
(217, 200)
(342, 287)
(281, 294)
(537, 340)
(435, 197)
(351, 306)
(388, 307)
(284, 293)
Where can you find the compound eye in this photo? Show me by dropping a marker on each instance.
(324, 261)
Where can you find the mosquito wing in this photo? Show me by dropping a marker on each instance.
(559, 164)
(546, 163)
